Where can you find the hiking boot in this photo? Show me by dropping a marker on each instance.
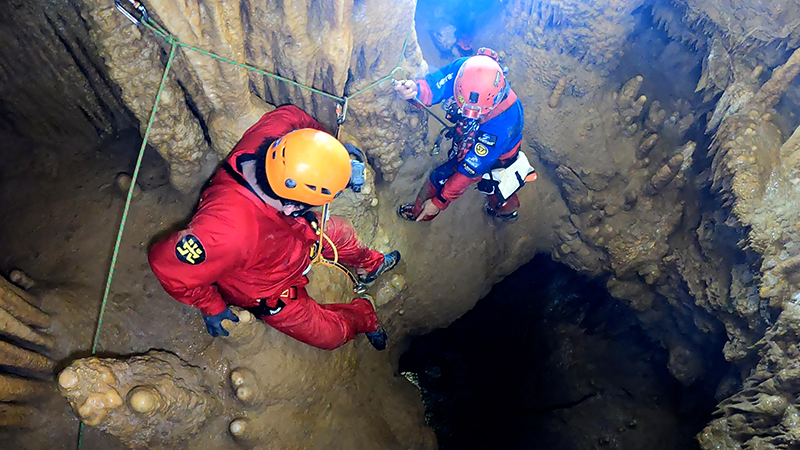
(377, 338)
(507, 218)
(390, 260)
(406, 211)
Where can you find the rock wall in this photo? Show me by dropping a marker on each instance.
(696, 238)
(692, 270)
(755, 170)
(53, 83)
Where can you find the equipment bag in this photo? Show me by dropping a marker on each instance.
(504, 182)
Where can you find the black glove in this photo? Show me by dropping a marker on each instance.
(214, 323)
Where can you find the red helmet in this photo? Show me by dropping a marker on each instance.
(479, 86)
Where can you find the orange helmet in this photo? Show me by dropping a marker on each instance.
(479, 86)
(308, 166)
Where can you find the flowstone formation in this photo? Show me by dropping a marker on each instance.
(240, 392)
(23, 353)
(115, 69)
(153, 400)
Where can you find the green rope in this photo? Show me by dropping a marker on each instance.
(391, 74)
(127, 208)
(161, 32)
(156, 28)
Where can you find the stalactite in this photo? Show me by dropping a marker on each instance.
(646, 146)
(14, 389)
(12, 356)
(555, 97)
(17, 303)
(245, 384)
(782, 77)
(629, 91)
(21, 279)
(9, 326)
(243, 431)
(664, 175)
(655, 116)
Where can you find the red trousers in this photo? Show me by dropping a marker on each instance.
(329, 326)
(323, 326)
(429, 191)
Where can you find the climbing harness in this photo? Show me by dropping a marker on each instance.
(136, 12)
(318, 246)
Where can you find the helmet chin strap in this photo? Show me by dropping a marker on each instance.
(504, 93)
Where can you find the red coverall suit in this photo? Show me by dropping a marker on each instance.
(238, 250)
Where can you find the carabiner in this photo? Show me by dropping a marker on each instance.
(439, 137)
(138, 7)
(341, 112)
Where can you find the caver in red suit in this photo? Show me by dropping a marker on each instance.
(239, 250)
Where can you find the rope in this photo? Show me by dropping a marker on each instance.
(126, 209)
(156, 28)
(320, 245)
(391, 74)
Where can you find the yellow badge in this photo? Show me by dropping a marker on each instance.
(190, 250)
(460, 99)
(481, 150)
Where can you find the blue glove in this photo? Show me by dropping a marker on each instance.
(356, 175)
(214, 323)
(356, 167)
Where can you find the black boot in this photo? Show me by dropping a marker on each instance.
(508, 218)
(378, 338)
(406, 211)
(390, 260)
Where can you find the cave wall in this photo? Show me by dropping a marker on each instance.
(707, 251)
(54, 83)
(629, 190)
